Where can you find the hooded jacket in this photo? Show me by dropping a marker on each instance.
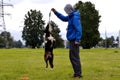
(74, 28)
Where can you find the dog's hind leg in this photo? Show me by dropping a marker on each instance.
(51, 61)
(46, 60)
(46, 63)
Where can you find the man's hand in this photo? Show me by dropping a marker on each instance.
(77, 42)
(53, 10)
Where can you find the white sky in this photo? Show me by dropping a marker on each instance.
(108, 9)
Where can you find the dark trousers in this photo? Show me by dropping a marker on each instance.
(75, 59)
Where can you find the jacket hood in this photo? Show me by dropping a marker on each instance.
(68, 8)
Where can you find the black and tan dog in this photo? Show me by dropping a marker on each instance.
(49, 45)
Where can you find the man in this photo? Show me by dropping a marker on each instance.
(74, 34)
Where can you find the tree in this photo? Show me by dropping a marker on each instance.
(33, 29)
(55, 30)
(90, 23)
(117, 39)
(18, 44)
(110, 41)
(3, 40)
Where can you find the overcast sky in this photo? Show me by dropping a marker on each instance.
(108, 9)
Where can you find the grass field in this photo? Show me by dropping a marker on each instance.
(97, 64)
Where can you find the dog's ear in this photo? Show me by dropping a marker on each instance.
(46, 29)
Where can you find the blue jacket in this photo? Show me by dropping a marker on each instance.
(74, 29)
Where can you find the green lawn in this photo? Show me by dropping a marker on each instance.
(97, 64)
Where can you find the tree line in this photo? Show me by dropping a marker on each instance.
(109, 42)
(11, 43)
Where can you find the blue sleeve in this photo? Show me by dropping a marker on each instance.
(61, 17)
(78, 28)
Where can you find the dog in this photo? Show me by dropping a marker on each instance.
(49, 45)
